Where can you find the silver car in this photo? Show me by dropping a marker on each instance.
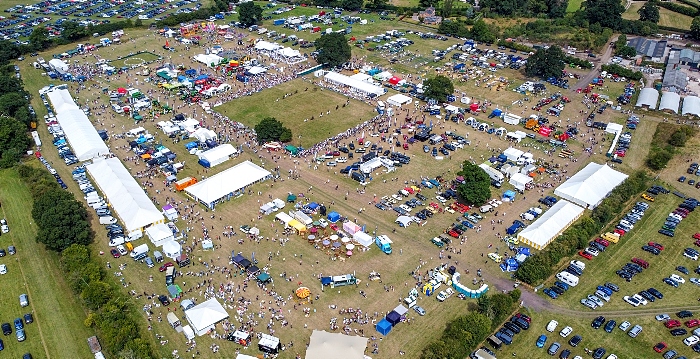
(588, 303)
(419, 310)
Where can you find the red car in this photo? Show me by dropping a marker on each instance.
(524, 317)
(453, 233)
(656, 245)
(585, 255)
(115, 253)
(602, 242)
(659, 347)
(697, 242)
(672, 324)
(692, 323)
(620, 232)
(696, 235)
(165, 266)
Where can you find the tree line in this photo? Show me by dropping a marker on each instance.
(542, 264)
(462, 335)
(64, 227)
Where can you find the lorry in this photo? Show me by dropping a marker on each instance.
(384, 243)
(339, 280)
(184, 183)
(496, 176)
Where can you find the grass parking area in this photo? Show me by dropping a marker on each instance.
(58, 330)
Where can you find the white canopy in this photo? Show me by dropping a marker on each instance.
(590, 185)
(209, 59)
(203, 134)
(256, 70)
(188, 332)
(511, 119)
(223, 184)
(398, 100)
(266, 46)
(172, 249)
(519, 180)
(124, 194)
(362, 238)
(203, 317)
(79, 131)
(513, 153)
(159, 234)
(355, 85)
(550, 225)
(58, 65)
(283, 217)
(362, 77)
(218, 154)
(691, 105)
(324, 345)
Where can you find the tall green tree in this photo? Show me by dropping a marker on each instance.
(546, 63)
(352, 5)
(482, 32)
(62, 221)
(73, 31)
(608, 13)
(476, 188)
(39, 39)
(438, 88)
(13, 141)
(249, 13)
(333, 49)
(269, 129)
(649, 12)
(695, 28)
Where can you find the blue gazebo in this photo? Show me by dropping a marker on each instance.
(384, 327)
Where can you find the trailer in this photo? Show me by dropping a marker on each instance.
(339, 280)
(496, 176)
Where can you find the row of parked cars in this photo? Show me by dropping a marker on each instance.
(510, 328)
(556, 346)
(674, 218)
(675, 325)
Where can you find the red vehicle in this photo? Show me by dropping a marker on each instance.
(602, 242)
(335, 153)
(672, 324)
(620, 232)
(409, 190)
(692, 323)
(165, 266)
(697, 242)
(659, 347)
(334, 227)
(37, 154)
(453, 233)
(585, 255)
(696, 235)
(641, 262)
(524, 317)
(656, 245)
(405, 146)
(115, 253)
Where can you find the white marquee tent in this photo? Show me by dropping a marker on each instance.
(590, 185)
(648, 97)
(323, 345)
(226, 183)
(398, 100)
(209, 59)
(58, 65)
(670, 101)
(172, 249)
(79, 131)
(355, 85)
(691, 105)
(519, 180)
(125, 195)
(218, 154)
(159, 234)
(551, 224)
(203, 317)
(362, 238)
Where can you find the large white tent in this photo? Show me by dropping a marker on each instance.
(159, 234)
(323, 345)
(203, 317)
(209, 59)
(227, 183)
(125, 195)
(217, 155)
(172, 249)
(550, 225)
(591, 185)
(648, 97)
(398, 100)
(58, 65)
(519, 180)
(670, 101)
(691, 106)
(354, 85)
(80, 133)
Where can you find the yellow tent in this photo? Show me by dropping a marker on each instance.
(298, 226)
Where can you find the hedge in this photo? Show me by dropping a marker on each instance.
(685, 10)
(621, 71)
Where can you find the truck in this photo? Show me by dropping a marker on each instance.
(568, 278)
(184, 183)
(339, 280)
(496, 176)
(384, 243)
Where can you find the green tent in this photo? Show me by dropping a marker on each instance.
(291, 149)
(291, 198)
(263, 277)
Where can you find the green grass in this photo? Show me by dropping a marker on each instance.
(574, 5)
(118, 60)
(301, 106)
(666, 16)
(58, 330)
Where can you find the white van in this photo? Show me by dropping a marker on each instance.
(107, 220)
(484, 209)
(94, 200)
(142, 249)
(568, 278)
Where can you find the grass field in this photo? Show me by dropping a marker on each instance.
(666, 16)
(58, 330)
(574, 5)
(296, 111)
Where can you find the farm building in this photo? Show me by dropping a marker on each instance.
(691, 106)
(670, 102)
(648, 97)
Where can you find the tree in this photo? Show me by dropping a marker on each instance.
(11, 102)
(13, 141)
(73, 31)
(649, 12)
(606, 12)
(427, 3)
(438, 88)
(249, 13)
(39, 39)
(138, 22)
(352, 5)
(482, 32)
(446, 8)
(96, 294)
(475, 189)
(695, 28)
(333, 49)
(546, 63)
(75, 257)
(269, 129)
(62, 221)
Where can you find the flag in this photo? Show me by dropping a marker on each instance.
(167, 44)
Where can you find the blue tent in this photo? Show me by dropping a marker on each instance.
(497, 112)
(373, 72)
(524, 250)
(181, 78)
(333, 217)
(201, 77)
(510, 265)
(312, 206)
(191, 145)
(384, 327)
(393, 317)
(510, 194)
(190, 72)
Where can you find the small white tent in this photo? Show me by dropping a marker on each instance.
(362, 238)
(519, 180)
(172, 249)
(203, 317)
(217, 155)
(159, 234)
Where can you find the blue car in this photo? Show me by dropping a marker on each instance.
(552, 294)
(426, 148)
(19, 325)
(541, 341)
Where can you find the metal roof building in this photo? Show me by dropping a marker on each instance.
(675, 79)
(670, 101)
(691, 106)
(648, 97)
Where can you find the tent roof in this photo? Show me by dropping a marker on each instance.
(546, 228)
(79, 131)
(399, 99)
(361, 86)
(266, 45)
(335, 345)
(216, 153)
(228, 181)
(204, 315)
(159, 232)
(208, 59)
(590, 185)
(691, 105)
(401, 309)
(670, 101)
(125, 195)
(648, 97)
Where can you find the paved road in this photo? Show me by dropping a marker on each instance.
(584, 81)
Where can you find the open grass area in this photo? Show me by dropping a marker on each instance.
(297, 110)
(666, 16)
(58, 330)
(574, 5)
